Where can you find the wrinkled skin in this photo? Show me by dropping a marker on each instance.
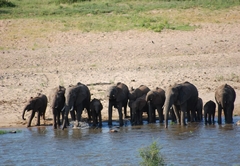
(209, 112)
(199, 108)
(183, 97)
(155, 99)
(136, 93)
(77, 99)
(138, 107)
(118, 98)
(36, 104)
(225, 97)
(95, 109)
(57, 103)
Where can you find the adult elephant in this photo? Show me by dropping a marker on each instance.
(225, 97)
(57, 103)
(118, 98)
(209, 112)
(155, 99)
(138, 107)
(77, 98)
(36, 104)
(95, 109)
(136, 93)
(183, 97)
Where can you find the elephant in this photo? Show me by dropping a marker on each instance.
(95, 110)
(136, 93)
(199, 108)
(36, 104)
(138, 107)
(183, 97)
(57, 103)
(155, 99)
(225, 97)
(118, 98)
(77, 98)
(209, 112)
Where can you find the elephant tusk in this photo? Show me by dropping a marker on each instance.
(71, 109)
(63, 109)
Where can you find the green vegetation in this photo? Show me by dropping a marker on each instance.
(10, 131)
(112, 15)
(151, 155)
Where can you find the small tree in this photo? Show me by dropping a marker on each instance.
(151, 155)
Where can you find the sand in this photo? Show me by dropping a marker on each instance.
(207, 57)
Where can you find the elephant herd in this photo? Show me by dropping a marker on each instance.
(180, 102)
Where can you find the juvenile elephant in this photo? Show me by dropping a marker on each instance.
(77, 98)
(138, 107)
(183, 97)
(225, 97)
(118, 98)
(57, 103)
(209, 112)
(36, 104)
(199, 108)
(95, 109)
(155, 99)
(136, 93)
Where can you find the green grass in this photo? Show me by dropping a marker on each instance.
(113, 15)
(9, 131)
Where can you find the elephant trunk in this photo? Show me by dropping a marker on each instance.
(167, 106)
(65, 119)
(150, 112)
(24, 113)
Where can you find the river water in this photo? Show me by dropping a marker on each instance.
(195, 144)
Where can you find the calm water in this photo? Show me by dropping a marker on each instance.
(195, 144)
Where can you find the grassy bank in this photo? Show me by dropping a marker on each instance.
(112, 15)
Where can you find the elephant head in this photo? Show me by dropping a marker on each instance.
(29, 106)
(138, 106)
(57, 97)
(183, 96)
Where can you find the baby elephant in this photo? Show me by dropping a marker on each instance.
(95, 109)
(36, 104)
(209, 112)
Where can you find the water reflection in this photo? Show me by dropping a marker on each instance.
(195, 144)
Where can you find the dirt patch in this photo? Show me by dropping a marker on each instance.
(207, 57)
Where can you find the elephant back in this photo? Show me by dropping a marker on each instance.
(138, 92)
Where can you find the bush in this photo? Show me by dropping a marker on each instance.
(69, 1)
(6, 3)
(151, 155)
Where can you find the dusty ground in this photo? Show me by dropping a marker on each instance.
(207, 57)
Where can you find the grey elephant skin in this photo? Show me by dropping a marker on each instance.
(155, 99)
(118, 98)
(209, 112)
(225, 97)
(183, 97)
(138, 107)
(77, 99)
(136, 93)
(199, 108)
(36, 104)
(95, 109)
(57, 103)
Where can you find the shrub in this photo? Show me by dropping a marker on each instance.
(6, 3)
(151, 155)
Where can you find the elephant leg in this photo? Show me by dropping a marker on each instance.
(120, 114)
(89, 114)
(125, 111)
(183, 111)
(30, 119)
(100, 118)
(160, 114)
(38, 118)
(219, 114)
(205, 117)
(94, 117)
(58, 119)
(54, 121)
(210, 118)
(73, 116)
(79, 112)
(110, 114)
(176, 112)
(141, 117)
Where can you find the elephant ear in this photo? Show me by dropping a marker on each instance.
(184, 93)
